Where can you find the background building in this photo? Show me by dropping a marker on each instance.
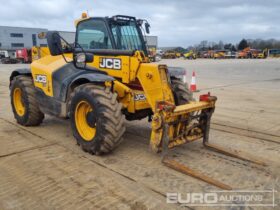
(12, 38)
(17, 37)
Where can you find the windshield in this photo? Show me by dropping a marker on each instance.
(121, 34)
(126, 35)
(92, 34)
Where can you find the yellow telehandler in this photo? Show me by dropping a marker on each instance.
(190, 55)
(104, 77)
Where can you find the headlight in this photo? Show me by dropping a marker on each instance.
(81, 58)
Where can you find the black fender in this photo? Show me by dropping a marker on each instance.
(63, 84)
(17, 72)
(66, 78)
(82, 78)
(176, 71)
(92, 77)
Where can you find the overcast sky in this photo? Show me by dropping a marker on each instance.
(175, 22)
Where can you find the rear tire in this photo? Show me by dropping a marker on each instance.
(23, 100)
(99, 128)
(181, 92)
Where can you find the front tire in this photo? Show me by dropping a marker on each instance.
(96, 119)
(23, 100)
(181, 92)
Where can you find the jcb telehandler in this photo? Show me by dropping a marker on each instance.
(106, 76)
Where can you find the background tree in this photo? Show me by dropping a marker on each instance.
(216, 47)
(203, 45)
(242, 44)
(221, 45)
(233, 48)
(228, 46)
(180, 50)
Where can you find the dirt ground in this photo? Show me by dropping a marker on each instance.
(43, 168)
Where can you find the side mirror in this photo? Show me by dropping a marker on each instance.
(54, 43)
(147, 27)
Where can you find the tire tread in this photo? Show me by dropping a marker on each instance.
(110, 110)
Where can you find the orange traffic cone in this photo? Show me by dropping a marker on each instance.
(193, 83)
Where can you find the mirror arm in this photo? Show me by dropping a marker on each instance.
(76, 43)
(65, 58)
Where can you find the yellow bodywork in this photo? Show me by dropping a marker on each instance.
(263, 54)
(39, 52)
(44, 68)
(152, 77)
(190, 54)
(155, 88)
(219, 55)
(260, 55)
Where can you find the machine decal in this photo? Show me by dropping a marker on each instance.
(139, 97)
(110, 63)
(41, 79)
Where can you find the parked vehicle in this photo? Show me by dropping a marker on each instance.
(160, 52)
(219, 54)
(9, 60)
(178, 55)
(4, 54)
(23, 55)
(190, 55)
(245, 53)
(169, 54)
(230, 54)
(275, 53)
(5, 58)
(263, 54)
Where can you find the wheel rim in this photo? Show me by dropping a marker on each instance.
(82, 110)
(18, 104)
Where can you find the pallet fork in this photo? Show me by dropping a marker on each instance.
(196, 131)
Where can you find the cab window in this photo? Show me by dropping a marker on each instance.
(93, 34)
(126, 35)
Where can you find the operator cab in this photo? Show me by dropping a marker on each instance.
(115, 36)
(119, 32)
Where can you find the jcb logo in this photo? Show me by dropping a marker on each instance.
(110, 63)
(41, 78)
(139, 97)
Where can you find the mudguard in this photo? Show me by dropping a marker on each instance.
(20, 72)
(90, 77)
(93, 77)
(176, 72)
(63, 85)
(81, 78)
(69, 76)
